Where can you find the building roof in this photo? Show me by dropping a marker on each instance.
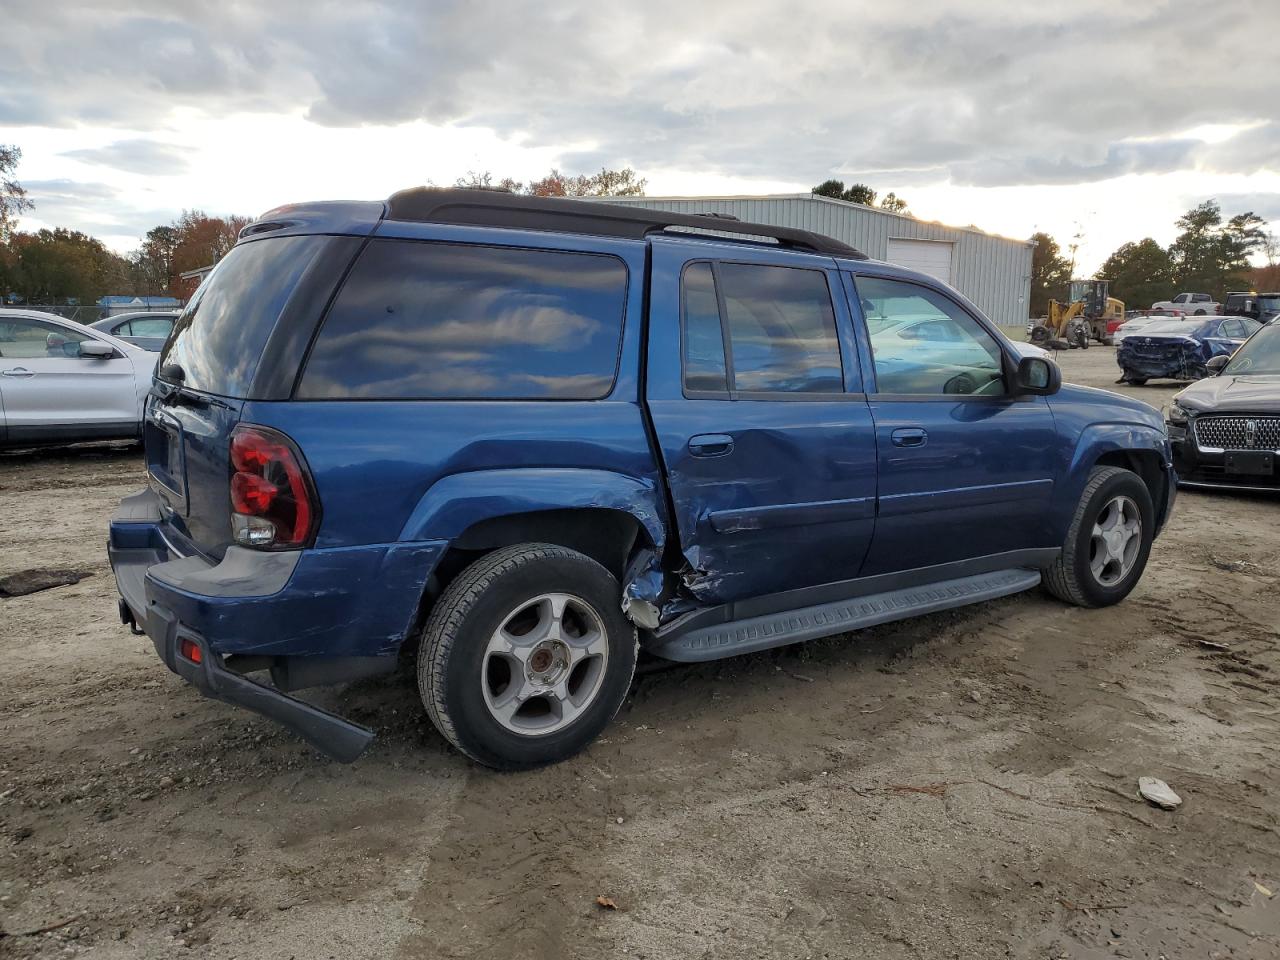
(860, 207)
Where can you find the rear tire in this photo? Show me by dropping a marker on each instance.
(526, 656)
(1108, 542)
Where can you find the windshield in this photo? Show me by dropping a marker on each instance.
(1259, 354)
(1268, 303)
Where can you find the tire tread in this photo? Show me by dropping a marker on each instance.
(446, 620)
(1060, 578)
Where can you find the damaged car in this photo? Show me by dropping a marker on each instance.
(524, 439)
(1180, 349)
(1225, 429)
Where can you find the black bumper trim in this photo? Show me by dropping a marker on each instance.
(333, 736)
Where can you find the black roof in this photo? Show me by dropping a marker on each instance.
(494, 208)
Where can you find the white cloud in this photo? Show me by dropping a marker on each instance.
(1007, 114)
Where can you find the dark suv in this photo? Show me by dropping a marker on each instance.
(530, 437)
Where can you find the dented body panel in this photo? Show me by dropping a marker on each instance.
(724, 503)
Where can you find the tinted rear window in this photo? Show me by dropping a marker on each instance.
(220, 336)
(418, 320)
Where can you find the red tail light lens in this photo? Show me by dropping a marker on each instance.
(273, 501)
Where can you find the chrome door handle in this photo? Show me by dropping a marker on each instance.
(909, 437)
(18, 373)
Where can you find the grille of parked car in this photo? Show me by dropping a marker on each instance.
(1239, 433)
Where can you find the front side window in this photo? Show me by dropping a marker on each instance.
(418, 320)
(29, 339)
(923, 343)
(782, 330)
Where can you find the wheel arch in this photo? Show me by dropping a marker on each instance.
(1142, 449)
(614, 519)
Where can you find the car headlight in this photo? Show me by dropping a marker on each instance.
(1176, 414)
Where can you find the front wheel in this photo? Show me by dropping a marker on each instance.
(1108, 542)
(527, 656)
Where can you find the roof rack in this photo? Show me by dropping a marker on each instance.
(489, 208)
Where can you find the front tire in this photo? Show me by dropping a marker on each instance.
(527, 656)
(1108, 542)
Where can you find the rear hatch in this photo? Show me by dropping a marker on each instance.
(212, 363)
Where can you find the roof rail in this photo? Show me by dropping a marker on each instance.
(488, 208)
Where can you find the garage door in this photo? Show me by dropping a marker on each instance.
(928, 256)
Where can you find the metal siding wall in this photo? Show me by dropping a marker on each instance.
(993, 272)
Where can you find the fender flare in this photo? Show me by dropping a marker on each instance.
(456, 502)
(1099, 439)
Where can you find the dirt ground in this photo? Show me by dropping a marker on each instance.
(956, 786)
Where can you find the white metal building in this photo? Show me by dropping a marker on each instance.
(994, 272)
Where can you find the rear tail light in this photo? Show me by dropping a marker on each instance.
(191, 651)
(273, 501)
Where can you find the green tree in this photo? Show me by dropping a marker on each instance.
(858, 193)
(1211, 256)
(58, 266)
(606, 183)
(831, 189)
(13, 198)
(893, 203)
(1140, 273)
(1050, 273)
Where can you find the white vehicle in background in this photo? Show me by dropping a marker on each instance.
(1137, 324)
(63, 382)
(1192, 304)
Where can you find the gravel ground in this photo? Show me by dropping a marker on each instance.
(961, 785)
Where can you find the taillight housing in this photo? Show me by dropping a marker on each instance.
(273, 501)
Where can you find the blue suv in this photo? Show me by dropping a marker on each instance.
(527, 438)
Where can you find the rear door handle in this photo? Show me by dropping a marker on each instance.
(18, 373)
(711, 445)
(909, 437)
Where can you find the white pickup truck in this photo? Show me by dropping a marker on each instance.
(1195, 304)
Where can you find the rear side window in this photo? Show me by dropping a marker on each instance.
(221, 334)
(704, 367)
(780, 326)
(782, 330)
(420, 321)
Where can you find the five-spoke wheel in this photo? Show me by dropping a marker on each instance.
(526, 656)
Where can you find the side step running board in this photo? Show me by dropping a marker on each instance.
(824, 620)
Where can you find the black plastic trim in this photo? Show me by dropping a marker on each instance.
(488, 208)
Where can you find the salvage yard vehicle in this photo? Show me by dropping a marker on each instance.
(1141, 320)
(1090, 312)
(1180, 349)
(1263, 307)
(529, 437)
(1225, 430)
(1190, 304)
(62, 382)
(146, 330)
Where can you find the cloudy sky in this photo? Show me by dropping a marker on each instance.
(1103, 118)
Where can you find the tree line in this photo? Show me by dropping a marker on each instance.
(63, 266)
(1210, 255)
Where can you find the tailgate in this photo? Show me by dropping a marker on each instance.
(188, 450)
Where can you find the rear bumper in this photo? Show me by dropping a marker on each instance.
(347, 608)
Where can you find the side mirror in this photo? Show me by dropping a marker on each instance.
(96, 350)
(1037, 377)
(1215, 364)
